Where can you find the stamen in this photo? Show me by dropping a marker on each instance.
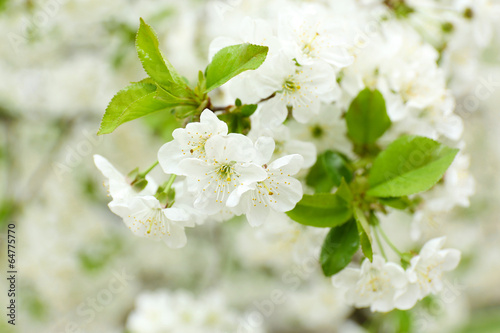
(150, 226)
(307, 48)
(267, 188)
(194, 149)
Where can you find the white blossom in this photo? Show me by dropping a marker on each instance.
(119, 187)
(278, 191)
(376, 284)
(327, 131)
(190, 142)
(226, 165)
(146, 217)
(309, 36)
(181, 312)
(285, 142)
(425, 275)
(303, 88)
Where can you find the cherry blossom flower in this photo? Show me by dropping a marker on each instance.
(285, 143)
(226, 165)
(119, 187)
(303, 88)
(425, 274)
(309, 36)
(374, 285)
(278, 191)
(190, 142)
(146, 217)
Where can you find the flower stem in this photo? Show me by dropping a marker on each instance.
(267, 98)
(388, 241)
(377, 237)
(169, 183)
(143, 174)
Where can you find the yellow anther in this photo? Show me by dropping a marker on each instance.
(267, 188)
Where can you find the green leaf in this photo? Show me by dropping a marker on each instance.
(410, 165)
(162, 124)
(202, 83)
(132, 102)
(360, 217)
(401, 203)
(157, 67)
(339, 247)
(233, 60)
(328, 172)
(367, 117)
(366, 245)
(344, 192)
(174, 101)
(248, 109)
(365, 235)
(323, 210)
(186, 111)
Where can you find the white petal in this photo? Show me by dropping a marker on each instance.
(250, 173)
(432, 246)
(337, 56)
(396, 274)
(304, 108)
(236, 195)
(176, 237)
(452, 126)
(290, 192)
(290, 164)
(118, 186)
(120, 208)
(383, 304)
(306, 149)
(147, 201)
(346, 278)
(272, 113)
(137, 213)
(232, 147)
(209, 205)
(107, 169)
(169, 157)
(378, 263)
(216, 125)
(258, 215)
(265, 148)
(451, 259)
(176, 214)
(436, 285)
(407, 298)
(194, 168)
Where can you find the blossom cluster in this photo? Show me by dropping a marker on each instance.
(180, 311)
(313, 91)
(225, 175)
(432, 60)
(384, 286)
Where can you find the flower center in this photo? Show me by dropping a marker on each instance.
(317, 131)
(199, 146)
(308, 47)
(290, 85)
(279, 147)
(225, 171)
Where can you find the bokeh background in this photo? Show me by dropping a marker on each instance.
(80, 270)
